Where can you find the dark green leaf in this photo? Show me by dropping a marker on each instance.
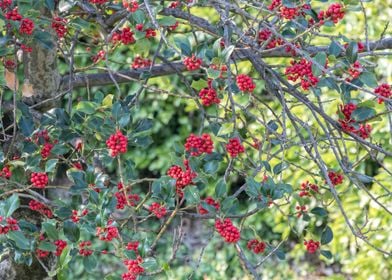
(363, 113)
(280, 167)
(11, 204)
(20, 239)
(47, 246)
(220, 189)
(326, 236)
(71, 231)
(326, 254)
(319, 211)
(50, 230)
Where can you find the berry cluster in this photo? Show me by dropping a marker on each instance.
(13, 15)
(41, 254)
(334, 12)
(41, 208)
(306, 187)
(43, 137)
(301, 70)
(5, 4)
(312, 246)
(98, 1)
(301, 210)
(265, 36)
(158, 210)
(150, 33)
(208, 96)
(46, 149)
(210, 201)
(349, 125)
(124, 36)
(227, 230)
(26, 49)
(245, 83)
(99, 56)
(335, 177)
(192, 63)
(140, 62)
(258, 247)
(198, 145)
(75, 217)
(11, 225)
(361, 46)
(59, 25)
(222, 69)
(107, 233)
(85, 248)
(354, 71)
(289, 13)
(117, 143)
(383, 90)
(39, 179)
(60, 245)
(274, 4)
(122, 200)
(132, 246)
(134, 269)
(26, 26)
(130, 5)
(183, 178)
(234, 147)
(5, 172)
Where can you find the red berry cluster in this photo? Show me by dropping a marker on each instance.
(245, 83)
(107, 233)
(41, 208)
(198, 145)
(174, 4)
(13, 15)
(132, 246)
(222, 69)
(265, 35)
(209, 200)
(39, 179)
(122, 200)
(183, 178)
(134, 269)
(26, 49)
(208, 96)
(354, 71)
(60, 245)
(174, 26)
(9, 64)
(289, 13)
(130, 5)
(274, 4)
(306, 187)
(258, 247)
(302, 70)
(85, 248)
(140, 62)
(26, 26)
(348, 123)
(192, 63)
(361, 46)
(117, 143)
(383, 90)
(335, 177)
(234, 147)
(11, 225)
(98, 1)
(75, 217)
(46, 149)
(99, 56)
(59, 25)
(41, 254)
(158, 210)
(227, 230)
(312, 246)
(5, 4)
(301, 210)
(150, 33)
(334, 12)
(124, 36)
(5, 172)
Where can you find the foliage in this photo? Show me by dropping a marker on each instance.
(181, 133)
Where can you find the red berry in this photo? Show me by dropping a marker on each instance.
(208, 96)
(209, 200)
(192, 63)
(59, 25)
(383, 90)
(84, 248)
(256, 246)
(26, 26)
(5, 172)
(60, 245)
(198, 145)
(117, 143)
(39, 180)
(312, 246)
(158, 210)
(302, 70)
(227, 230)
(245, 83)
(335, 177)
(234, 147)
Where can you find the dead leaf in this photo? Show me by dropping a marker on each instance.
(27, 89)
(11, 80)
